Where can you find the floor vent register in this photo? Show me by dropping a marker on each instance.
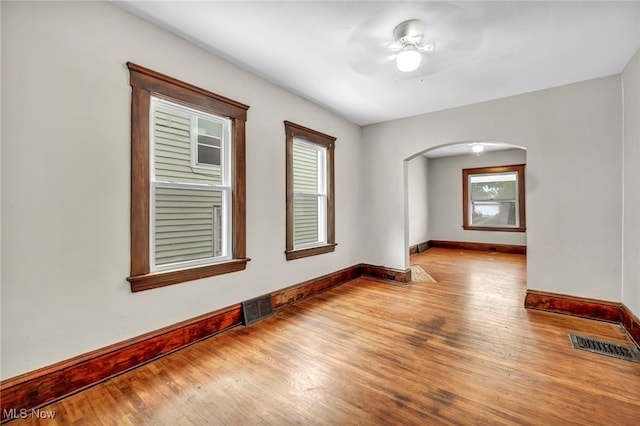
(616, 350)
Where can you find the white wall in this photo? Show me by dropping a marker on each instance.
(574, 150)
(445, 197)
(66, 177)
(418, 199)
(631, 179)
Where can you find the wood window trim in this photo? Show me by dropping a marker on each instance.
(146, 83)
(292, 131)
(519, 169)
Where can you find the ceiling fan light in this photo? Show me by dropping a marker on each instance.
(408, 59)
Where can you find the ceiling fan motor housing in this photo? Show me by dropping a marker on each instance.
(409, 32)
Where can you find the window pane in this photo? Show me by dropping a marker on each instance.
(305, 220)
(305, 169)
(493, 187)
(185, 224)
(172, 148)
(172, 142)
(489, 213)
(209, 128)
(208, 155)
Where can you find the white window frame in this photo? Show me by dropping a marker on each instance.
(224, 187)
(490, 178)
(321, 195)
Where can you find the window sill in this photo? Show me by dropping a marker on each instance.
(176, 276)
(312, 251)
(494, 228)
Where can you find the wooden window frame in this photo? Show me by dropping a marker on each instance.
(517, 168)
(146, 83)
(296, 131)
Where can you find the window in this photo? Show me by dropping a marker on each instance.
(189, 202)
(187, 182)
(310, 200)
(493, 198)
(206, 142)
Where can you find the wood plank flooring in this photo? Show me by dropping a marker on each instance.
(459, 351)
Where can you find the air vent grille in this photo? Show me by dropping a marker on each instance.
(257, 309)
(616, 350)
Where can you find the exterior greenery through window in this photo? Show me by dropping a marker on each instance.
(493, 198)
(310, 199)
(187, 182)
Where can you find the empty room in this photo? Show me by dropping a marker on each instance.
(320, 212)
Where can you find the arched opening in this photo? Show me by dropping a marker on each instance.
(434, 195)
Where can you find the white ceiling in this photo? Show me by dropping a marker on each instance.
(335, 53)
(466, 149)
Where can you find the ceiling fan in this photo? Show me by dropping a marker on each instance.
(409, 44)
(434, 36)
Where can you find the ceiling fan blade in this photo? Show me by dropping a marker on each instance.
(394, 47)
(369, 47)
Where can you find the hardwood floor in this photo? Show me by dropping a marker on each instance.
(459, 351)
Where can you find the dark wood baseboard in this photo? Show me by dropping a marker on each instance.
(586, 308)
(631, 323)
(387, 274)
(461, 245)
(290, 295)
(572, 305)
(48, 384)
(419, 248)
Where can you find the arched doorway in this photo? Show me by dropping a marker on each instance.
(434, 201)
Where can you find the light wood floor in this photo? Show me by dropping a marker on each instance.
(459, 351)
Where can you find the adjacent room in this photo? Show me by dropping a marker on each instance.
(320, 212)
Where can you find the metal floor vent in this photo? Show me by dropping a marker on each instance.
(257, 309)
(616, 350)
